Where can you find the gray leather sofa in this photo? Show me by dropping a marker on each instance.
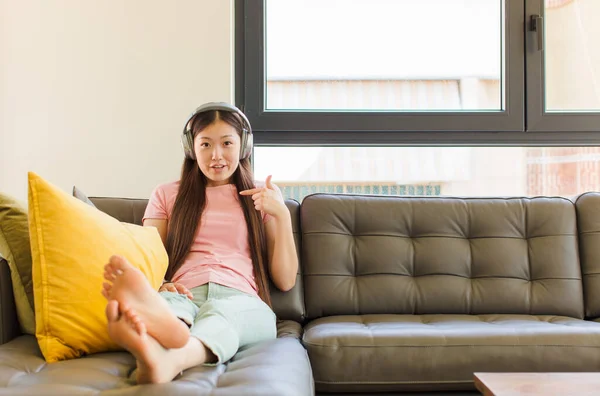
(395, 294)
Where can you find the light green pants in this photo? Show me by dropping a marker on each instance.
(224, 319)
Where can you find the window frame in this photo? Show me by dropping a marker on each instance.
(348, 128)
(537, 117)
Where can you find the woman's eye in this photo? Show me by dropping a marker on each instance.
(204, 145)
(228, 143)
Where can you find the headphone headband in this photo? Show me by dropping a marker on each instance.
(187, 139)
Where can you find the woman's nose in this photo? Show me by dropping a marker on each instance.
(216, 153)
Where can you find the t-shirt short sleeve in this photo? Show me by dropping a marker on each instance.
(157, 205)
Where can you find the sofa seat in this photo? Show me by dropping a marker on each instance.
(434, 352)
(258, 370)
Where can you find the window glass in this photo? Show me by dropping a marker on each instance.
(431, 171)
(392, 55)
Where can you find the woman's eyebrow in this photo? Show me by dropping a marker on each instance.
(222, 137)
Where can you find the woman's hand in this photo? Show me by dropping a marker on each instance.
(176, 287)
(267, 199)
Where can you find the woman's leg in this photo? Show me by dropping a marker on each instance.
(155, 363)
(230, 320)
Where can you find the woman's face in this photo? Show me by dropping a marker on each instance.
(217, 149)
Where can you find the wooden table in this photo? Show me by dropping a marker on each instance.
(504, 384)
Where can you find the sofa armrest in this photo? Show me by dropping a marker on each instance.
(9, 324)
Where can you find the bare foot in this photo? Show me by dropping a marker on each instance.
(133, 291)
(129, 331)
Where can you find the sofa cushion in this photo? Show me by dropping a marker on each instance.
(426, 255)
(588, 225)
(15, 249)
(278, 367)
(441, 352)
(127, 210)
(70, 244)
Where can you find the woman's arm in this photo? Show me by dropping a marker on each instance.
(283, 259)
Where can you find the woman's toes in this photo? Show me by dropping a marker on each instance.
(140, 328)
(134, 321)
(106, 288)
(109, 272)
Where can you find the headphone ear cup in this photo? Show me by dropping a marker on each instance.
(247, 141)
(188, 145)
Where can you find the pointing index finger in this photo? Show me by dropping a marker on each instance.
(251, 191)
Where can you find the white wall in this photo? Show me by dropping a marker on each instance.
(94, 93)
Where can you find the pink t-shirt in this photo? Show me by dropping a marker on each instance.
(220, 252)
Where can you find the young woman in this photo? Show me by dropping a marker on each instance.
(226, 236)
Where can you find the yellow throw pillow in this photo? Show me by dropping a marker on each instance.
(70, 243)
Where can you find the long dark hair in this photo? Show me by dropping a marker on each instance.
(191, 201)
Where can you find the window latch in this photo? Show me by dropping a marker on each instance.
(537, 25)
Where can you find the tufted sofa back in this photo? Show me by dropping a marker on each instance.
(410, 255)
